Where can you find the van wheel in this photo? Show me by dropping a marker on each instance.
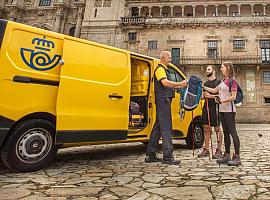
(198, 135)
(29, 146)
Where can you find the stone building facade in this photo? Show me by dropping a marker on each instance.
(197, 33)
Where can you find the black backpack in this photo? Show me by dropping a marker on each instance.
(239, 95)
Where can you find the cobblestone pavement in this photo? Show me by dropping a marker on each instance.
(118, 172)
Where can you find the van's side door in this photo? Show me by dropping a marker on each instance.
(94, 93)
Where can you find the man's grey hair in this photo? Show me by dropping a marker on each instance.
(164, 53)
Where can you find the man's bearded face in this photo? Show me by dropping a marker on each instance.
(209, 71)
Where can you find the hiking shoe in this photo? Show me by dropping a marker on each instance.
(235, 160)
(151, 159)
(205, 153)
(170, 161)
(217, 154)
(224, 158)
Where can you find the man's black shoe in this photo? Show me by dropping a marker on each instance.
(171, 161)
(151, 159)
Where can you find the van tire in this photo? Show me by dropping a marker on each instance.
(198, 135)
(30, 146)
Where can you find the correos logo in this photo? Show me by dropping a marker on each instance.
(39, 59)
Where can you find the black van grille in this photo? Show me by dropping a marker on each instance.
(3, 24)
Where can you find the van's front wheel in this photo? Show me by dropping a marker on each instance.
(29, 146)
(198, 134)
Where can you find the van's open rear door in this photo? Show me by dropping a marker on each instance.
(94, 93)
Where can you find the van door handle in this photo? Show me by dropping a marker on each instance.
(61, 62)
(115, 96)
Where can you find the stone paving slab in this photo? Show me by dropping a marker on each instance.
(118, 171)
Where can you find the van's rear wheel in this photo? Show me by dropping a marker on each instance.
(30, 146)
(198, 135)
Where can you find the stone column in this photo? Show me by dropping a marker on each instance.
(264, 9)
(58, 16)
(183, 11)
(252, 9)
(228, 10)
(205, 11)
(239, 10)
(171, 11)
(63, 22)
(11, 15)
(140, 9)
(150, 11)
(216, 10)
(160, 11)
(194, 10)
(79, 22)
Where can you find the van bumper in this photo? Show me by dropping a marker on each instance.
(5, 125)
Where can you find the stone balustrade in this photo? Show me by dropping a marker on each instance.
(244, 59)
(157, 21)
(132, 20)
(208, 20)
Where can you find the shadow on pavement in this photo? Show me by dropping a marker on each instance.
(98, 153)
(111, 151)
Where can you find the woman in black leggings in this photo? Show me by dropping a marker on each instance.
(227, 93)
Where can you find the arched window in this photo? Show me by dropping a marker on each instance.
(72, 31)
(134, 11)
(45, 2)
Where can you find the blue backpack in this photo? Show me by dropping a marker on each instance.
(239, 95)
(191, 95)
(190, 99)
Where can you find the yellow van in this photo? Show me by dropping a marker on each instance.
(59, 91)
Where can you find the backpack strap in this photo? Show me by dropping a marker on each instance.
(217, 82)
(230, 89)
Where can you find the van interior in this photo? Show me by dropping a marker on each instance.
(138, 109)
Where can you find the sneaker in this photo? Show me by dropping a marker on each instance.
(205, 153)
(217, 154)
(170, 161)
(235, 160)
(151, 159)
(224, 158)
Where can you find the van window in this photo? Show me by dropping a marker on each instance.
(174, 75)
